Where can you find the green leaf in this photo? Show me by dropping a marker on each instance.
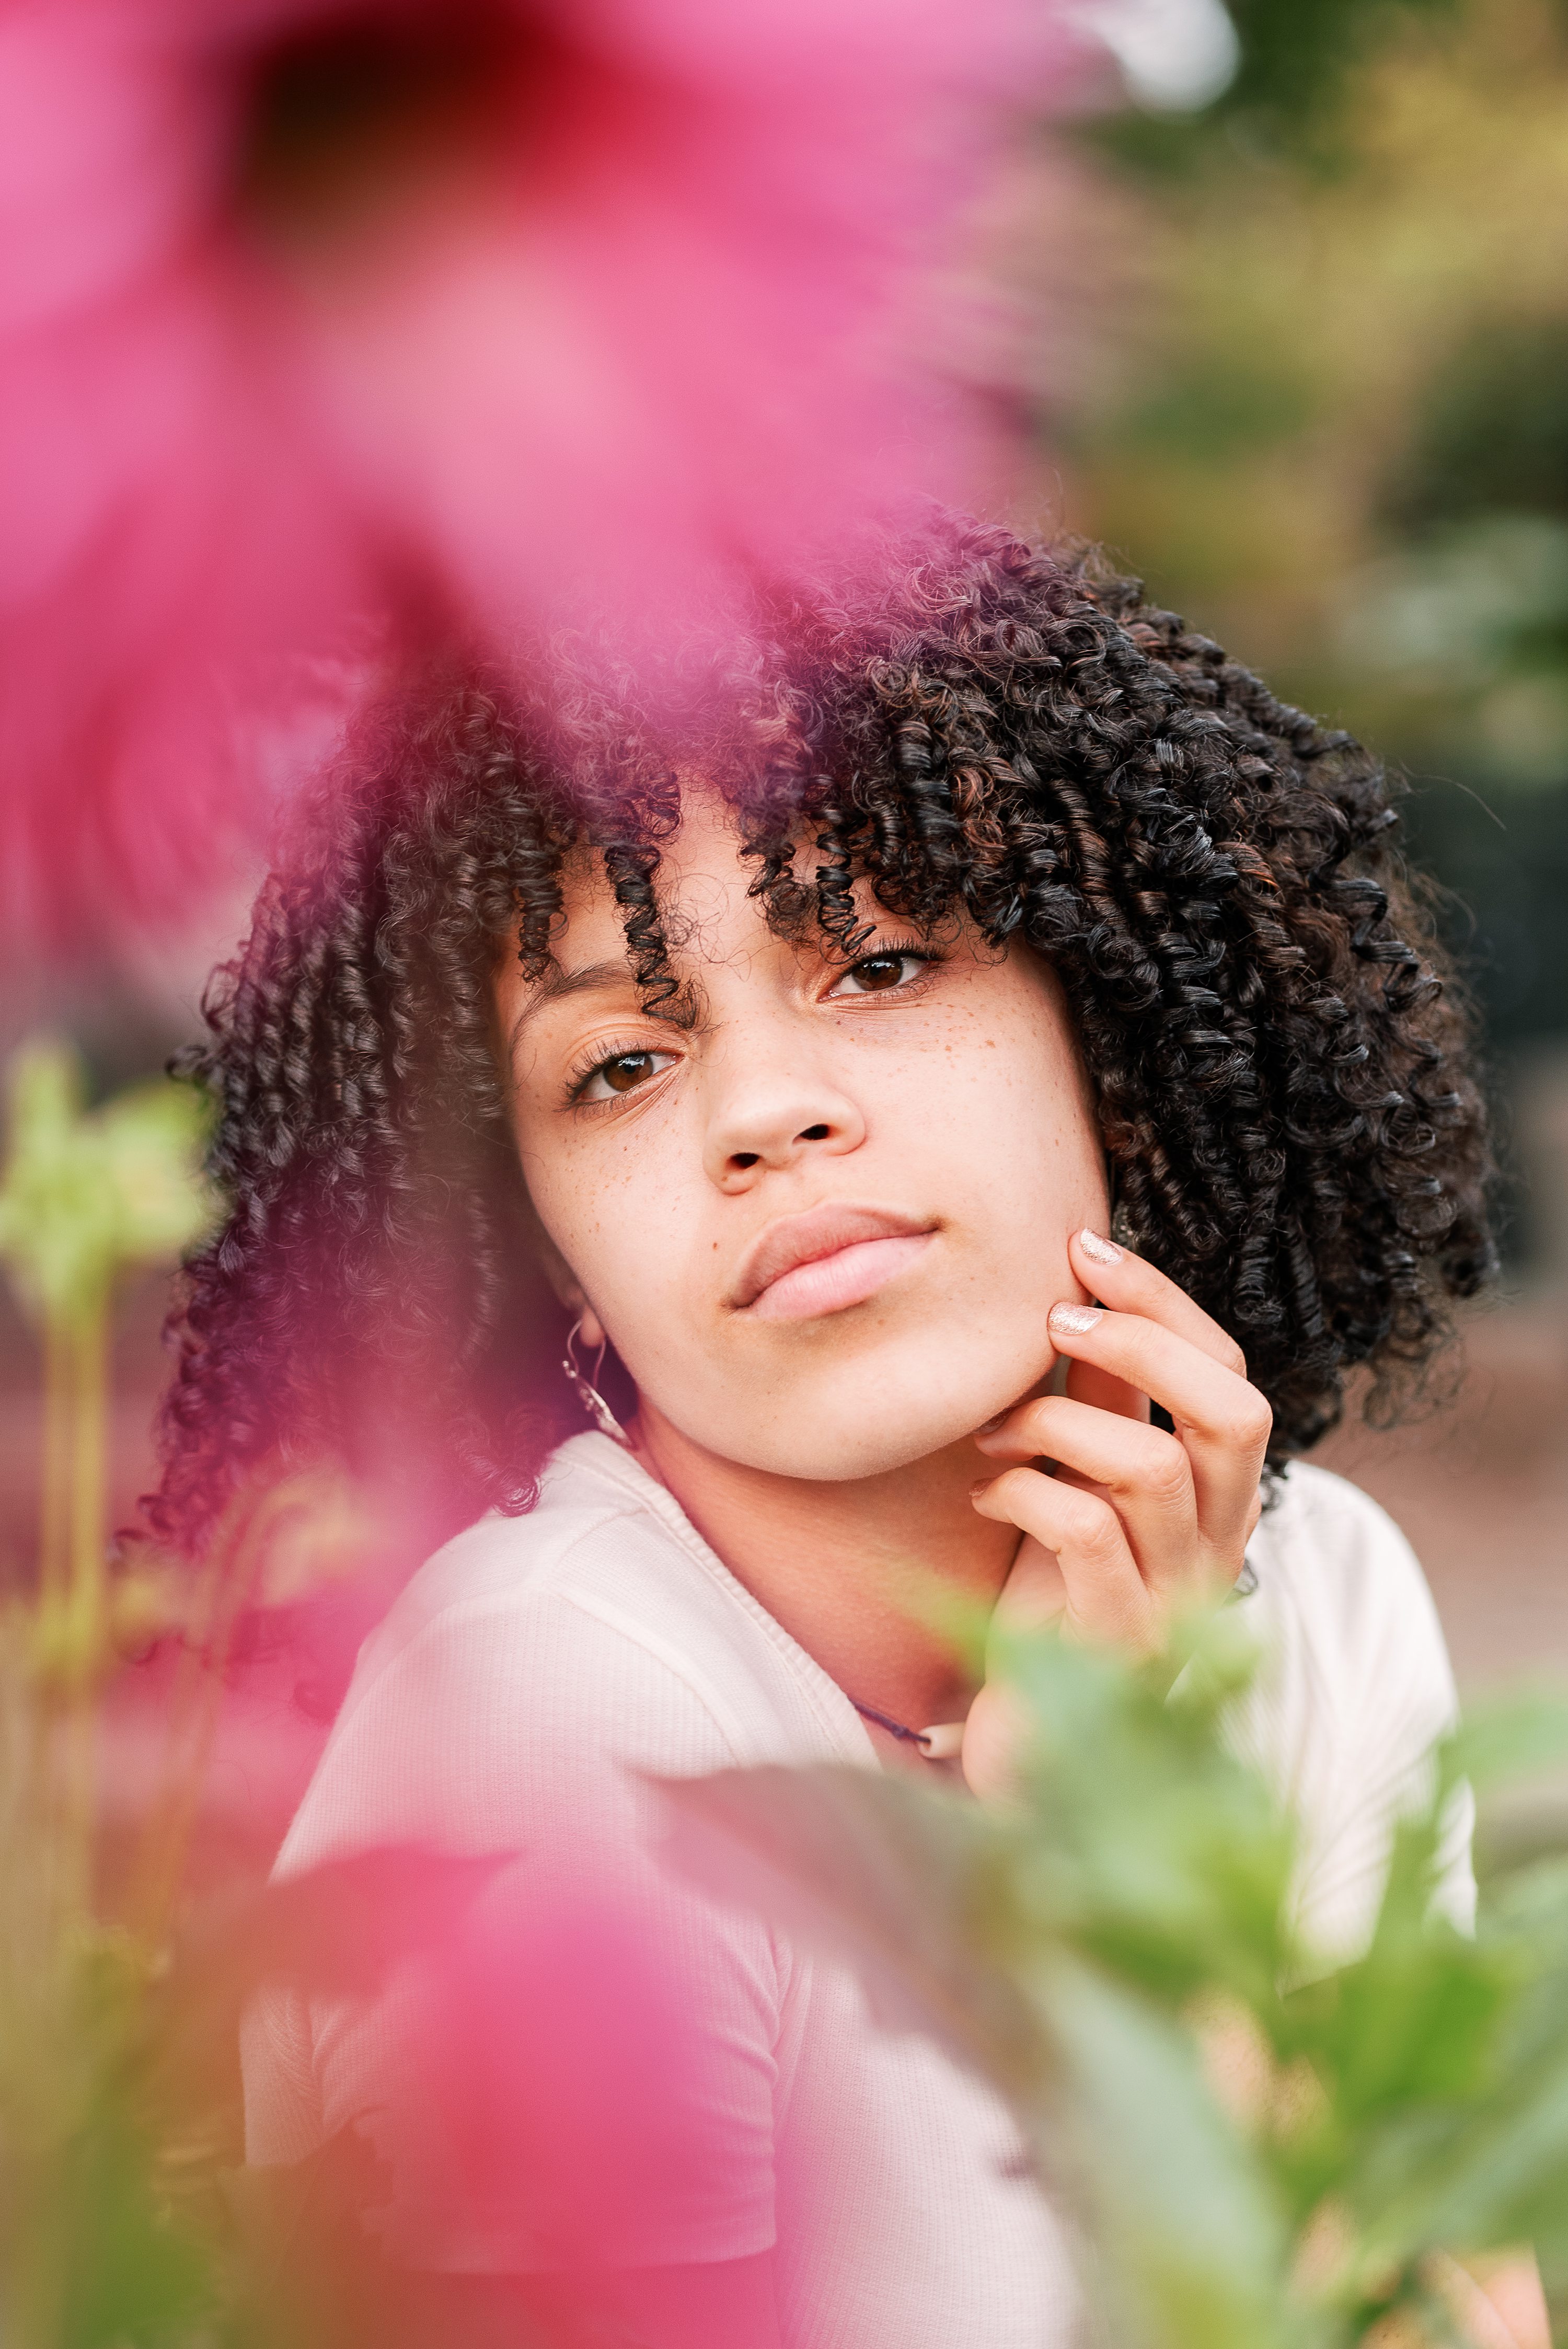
(1190, 2241)
(85, 1193)
(909, 1886)
(1508, 1738)
(1419, 2094)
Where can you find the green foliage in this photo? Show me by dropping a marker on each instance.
(130, 2272)
(1299, 67)
(1300, 61)
(1328, 424)
(1262, 2149)
(93, 2252)
(87, 1194)
(90, 2253)
(1490, 433)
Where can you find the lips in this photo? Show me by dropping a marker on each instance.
(826, 1258)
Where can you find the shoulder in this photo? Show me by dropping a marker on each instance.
(594, 1581)
(1339, 1581)
(589, 1532)
(538, 1670)
(1353, 1692)
(534, 1670)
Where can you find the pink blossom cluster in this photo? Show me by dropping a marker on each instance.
(330, 324)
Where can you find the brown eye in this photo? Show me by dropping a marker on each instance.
(623, 1072)
(875, 974)
(631, 1068)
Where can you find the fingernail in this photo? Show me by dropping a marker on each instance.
(1075, 1320)
(1101, 1251)
(989, 1426)
(982, 1485)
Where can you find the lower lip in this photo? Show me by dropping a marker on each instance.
(846, 1277)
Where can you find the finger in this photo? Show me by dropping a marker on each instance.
(1107, 1597)
(1146, 1474)
(1223, 1423)
(1034, 1594)
(1084, 1383)
(1127, 1285)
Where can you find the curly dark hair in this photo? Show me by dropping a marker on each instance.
(984, 729)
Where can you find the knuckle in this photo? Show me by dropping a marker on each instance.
(1167, 1473)
(1253, 1420)
(1012, 1489)
(1095, 1529)
(1035, 1418)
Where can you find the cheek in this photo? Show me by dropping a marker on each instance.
(999, 1111)
(613, 1204)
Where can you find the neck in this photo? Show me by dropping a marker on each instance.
(849, 1570)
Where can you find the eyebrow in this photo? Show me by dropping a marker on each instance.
(562, 983)
(678, 1011)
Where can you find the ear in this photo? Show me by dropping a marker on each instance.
(566, 1285)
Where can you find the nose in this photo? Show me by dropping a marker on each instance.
(773, 1117)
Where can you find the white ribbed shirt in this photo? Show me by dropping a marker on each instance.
(533, 1677)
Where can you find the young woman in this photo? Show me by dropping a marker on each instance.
(947, 1088)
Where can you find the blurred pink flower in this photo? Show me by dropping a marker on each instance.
(319, 314)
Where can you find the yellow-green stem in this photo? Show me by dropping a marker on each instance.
(88, 1519)
(55, 1500)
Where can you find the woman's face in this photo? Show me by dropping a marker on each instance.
(820, 1213)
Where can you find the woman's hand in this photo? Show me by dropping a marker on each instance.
(1132, 1522)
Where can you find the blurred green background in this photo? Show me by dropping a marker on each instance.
(1330, 422)
(1323, 412)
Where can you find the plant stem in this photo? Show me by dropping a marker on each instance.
(55, 1543)
(88, 1484)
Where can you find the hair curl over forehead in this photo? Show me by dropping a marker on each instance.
(985, 730)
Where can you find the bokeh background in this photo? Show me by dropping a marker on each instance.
(1294, 292)
(1331, 426)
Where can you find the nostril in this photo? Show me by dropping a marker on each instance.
(743, 1158)
(813, 1133)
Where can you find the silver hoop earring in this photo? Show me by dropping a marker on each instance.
(588, 1394)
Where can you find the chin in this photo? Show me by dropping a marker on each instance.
(811, 1455)
(827, 1431)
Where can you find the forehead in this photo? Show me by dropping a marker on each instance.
(694, 911)
(701, 876)
(701, 903)
(697, 912)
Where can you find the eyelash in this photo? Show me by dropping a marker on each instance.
(586, 1069)
(885, 950)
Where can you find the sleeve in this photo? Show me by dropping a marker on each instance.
(576, 2066)
(1351, 1706)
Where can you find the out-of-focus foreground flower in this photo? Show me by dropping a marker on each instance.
(1265, 2144)
(321, 315)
